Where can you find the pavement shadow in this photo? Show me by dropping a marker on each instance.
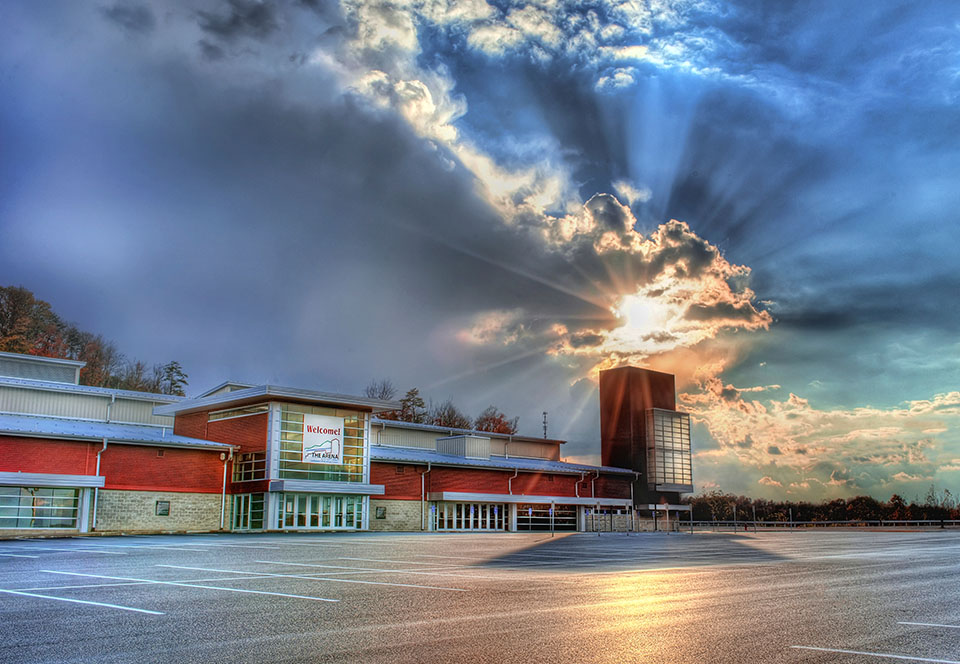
(612, 552)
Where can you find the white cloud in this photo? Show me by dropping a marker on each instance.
(632, 194)
(622, 77)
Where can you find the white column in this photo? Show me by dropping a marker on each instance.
(83, 510)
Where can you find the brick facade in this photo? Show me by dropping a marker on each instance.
(248, 432)
(140, 468)
(403, 485)
(40, 455)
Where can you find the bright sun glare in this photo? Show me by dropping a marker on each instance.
(642, 314)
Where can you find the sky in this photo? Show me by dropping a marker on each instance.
(494, 201)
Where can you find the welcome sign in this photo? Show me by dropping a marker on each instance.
(322, 439)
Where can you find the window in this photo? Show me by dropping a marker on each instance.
(163, 508)
(238, 412)
(252, 466)
(401, 469)
(248, 511)
(314, 511)
(470, 516)
(292, 465)
(668, 447)
(31, 507)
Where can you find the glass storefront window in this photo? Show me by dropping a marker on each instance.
(353, 452)
(32, 507)
(470, 516)
(311, 511)
(668, 447)
(248, 511)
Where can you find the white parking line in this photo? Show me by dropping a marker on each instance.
(908, 658)
(399, 562)
(378, 570)
(98, 545)
(192, 585)
(929, 625)
(82, 601)
(17, 555)
(237, 546)
(132, 583)
(50, 548)
(314, 578)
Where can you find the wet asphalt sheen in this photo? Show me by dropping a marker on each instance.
(822, 596)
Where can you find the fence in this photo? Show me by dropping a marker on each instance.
(735, 526)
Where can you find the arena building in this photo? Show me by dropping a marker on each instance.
(241, 457)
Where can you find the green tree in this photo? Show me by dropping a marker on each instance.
(172, 378)
(412, 407)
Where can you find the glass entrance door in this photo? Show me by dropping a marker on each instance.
(470, 516)
(306, 511)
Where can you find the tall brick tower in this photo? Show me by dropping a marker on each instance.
(641, 429)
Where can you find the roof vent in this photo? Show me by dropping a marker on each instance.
(471, 447)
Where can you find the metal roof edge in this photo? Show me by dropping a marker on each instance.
(24, 357)
(53, 386)
(451, 431)
(458, 461)
(275, 392)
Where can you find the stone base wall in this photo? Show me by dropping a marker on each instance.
(398, 515)
(136, 510)
(621, 523)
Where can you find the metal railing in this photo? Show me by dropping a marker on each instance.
(739, 526)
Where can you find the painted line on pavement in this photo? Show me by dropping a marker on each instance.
(919, 624)
(192, 585)
(314, 578)
(82, 601)
(908, 658)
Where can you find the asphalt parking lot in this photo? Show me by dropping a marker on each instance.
(826, 596)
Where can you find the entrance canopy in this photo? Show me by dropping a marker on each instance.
(459, 496)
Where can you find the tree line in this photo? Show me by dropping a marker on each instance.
(30, 326)
(413, 408)
(719, 506)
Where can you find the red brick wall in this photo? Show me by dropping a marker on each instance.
(251, 486)
(137, 468)
(405, 486)
(611, 486)
(249, 432)
(539, 484)
(471, 480)
(39, 455)
(193, 425)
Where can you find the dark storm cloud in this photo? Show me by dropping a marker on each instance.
(321, 242)
(585, 340)
(132, 17)
(722, 311)
(210, 51)
(247, 18)
(608, 211)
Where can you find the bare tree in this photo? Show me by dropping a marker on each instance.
(381, 389)
(448, 415)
